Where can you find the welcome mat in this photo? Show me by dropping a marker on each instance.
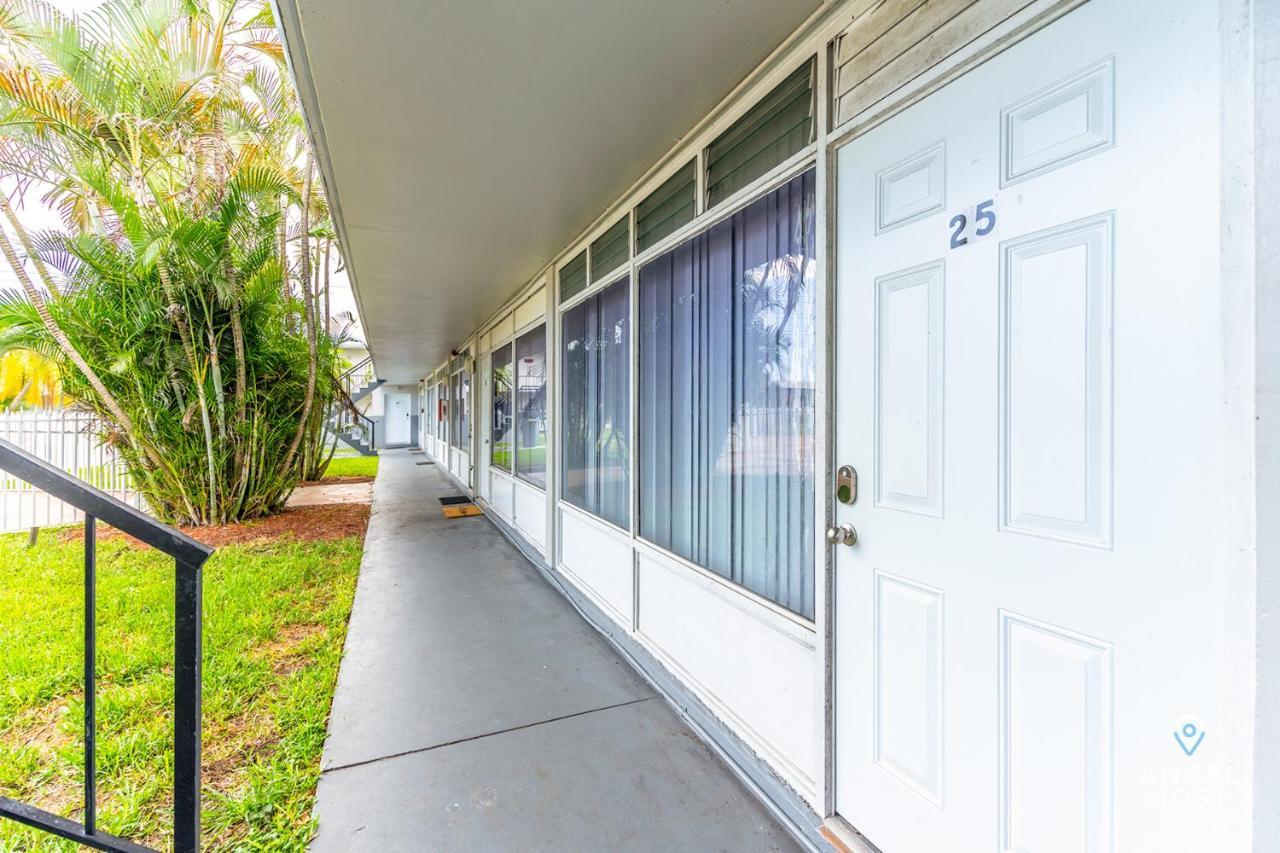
(449, 500)
(461, 511)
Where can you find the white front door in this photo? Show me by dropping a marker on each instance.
(1028, 645)
(396, 418)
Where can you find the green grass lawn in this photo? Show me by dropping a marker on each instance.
(530, 457)
(275, 616)
(352, 466)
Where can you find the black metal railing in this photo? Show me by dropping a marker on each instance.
(358, 375)
(189, 557)
(355, 423)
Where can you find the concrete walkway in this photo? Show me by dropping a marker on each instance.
(475, 710)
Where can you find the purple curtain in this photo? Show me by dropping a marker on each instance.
(727, 376)
(596, 454)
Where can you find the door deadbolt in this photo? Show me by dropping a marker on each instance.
(846, 484)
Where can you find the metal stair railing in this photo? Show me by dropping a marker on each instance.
(359, 377)
(346, 421)
(350, 422)
(189, 557)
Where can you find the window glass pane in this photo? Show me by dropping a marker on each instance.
(454, 408)
(610, 250)
(531, 406)
(666, 208)
(596, 409)
(503, 432)
(464, 411)
(442, 408)
(573, 276)
(779, 125)
(726, 394)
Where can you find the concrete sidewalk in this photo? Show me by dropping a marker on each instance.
(475, 710)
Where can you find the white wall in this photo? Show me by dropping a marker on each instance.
(377, 404)
(1266, 168)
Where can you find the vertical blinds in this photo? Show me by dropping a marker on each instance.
(778, 126)
(666, 208)
(610, 250)
(573, 276)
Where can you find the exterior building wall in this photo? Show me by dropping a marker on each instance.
(1264, 75)
(762, 670)
(376, 411)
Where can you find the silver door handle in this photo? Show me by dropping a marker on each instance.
(842, 535)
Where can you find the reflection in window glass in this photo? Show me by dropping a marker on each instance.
(726, 397)
(459, 402)
(454, 408)
(502, 432)
(464, 411)
(531, 406)
(442, 410)
(596, 408)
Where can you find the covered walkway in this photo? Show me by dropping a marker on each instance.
(476, 710)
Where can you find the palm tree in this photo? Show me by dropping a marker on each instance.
(179, 300)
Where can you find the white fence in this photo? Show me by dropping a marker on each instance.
(64, 438)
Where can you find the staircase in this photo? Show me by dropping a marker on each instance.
(347, 423)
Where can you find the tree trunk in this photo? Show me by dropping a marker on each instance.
(41, 270)
(305, 280)
(177, 313)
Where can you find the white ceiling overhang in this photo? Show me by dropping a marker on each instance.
(464, 143)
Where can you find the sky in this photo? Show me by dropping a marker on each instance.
(36, 217)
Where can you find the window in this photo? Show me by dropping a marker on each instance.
(611, 250)
(573, 277)
(502, 430)
(778, 126)
(429, 411)
(531, 406)
(459, 421)
(666, 208)
(596, 409)
(442, 410)
(464, 412)
(454, 390)
(727, 344)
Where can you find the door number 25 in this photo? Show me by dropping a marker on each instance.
(977, 221)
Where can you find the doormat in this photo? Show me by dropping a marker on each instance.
(461, 511)
(428, 462)
(449, 500)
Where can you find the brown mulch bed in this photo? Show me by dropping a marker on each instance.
(305, 523)
(329, 481)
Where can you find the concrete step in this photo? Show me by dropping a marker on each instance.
(353, 442)
(365, 390)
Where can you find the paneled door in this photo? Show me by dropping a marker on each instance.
(397, 419)
(1029, 360)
